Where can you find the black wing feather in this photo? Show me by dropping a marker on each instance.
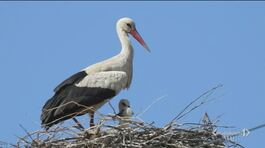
(73, 79)
(85, 96)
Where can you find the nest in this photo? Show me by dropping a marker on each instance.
(135, 133)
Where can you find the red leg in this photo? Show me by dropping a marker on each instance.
(91, 119)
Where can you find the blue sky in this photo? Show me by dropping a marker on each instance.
(195, 46)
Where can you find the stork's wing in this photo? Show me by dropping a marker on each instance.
(73, 79)
(94, 89)
(90, 91)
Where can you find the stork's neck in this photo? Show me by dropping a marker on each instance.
(127, 49)
(126, 55)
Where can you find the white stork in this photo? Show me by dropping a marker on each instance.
(87, 90)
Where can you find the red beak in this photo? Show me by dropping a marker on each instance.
(137, 36)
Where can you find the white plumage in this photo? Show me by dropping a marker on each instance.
(115, 80)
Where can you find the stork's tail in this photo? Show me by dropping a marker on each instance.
(47, 115)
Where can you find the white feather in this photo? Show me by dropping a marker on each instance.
(115, 80)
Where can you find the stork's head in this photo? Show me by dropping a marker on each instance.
(128, 25)
(125, 108)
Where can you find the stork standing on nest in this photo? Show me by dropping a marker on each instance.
(87, 90)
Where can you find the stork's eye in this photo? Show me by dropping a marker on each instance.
(123, 104)
(129, 25)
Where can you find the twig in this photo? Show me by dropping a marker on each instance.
(149, 106)
(244, 132)
(204, 94)
(28, 134)
(112, 107)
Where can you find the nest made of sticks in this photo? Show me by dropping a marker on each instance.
(135, 134)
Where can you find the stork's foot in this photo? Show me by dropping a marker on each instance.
(92, 124)
(92, 132)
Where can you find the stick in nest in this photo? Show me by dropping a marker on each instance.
(185, 112)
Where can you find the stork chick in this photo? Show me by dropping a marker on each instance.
(125, 112)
